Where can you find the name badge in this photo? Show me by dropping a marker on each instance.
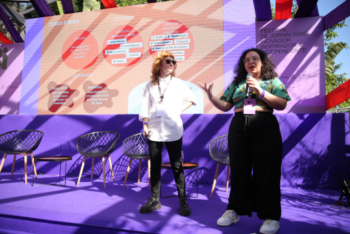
(160, 110)
(249, 106)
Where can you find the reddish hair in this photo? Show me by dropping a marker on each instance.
(157, 64)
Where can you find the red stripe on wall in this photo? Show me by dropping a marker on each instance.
(4, 39)
(283, 9)
(109, 3)
(338, 95)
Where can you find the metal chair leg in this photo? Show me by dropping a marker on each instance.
(227, 177)
(81, 171)
(34, 167)
(2, 161)
(25, 169)
(104, 171)
(92, 168)
(127, 172)
(215, 177)
(139, 176)
(13, 165)
(111, 167)
(149, 174)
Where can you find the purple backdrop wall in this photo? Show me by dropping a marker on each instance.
(316, 146)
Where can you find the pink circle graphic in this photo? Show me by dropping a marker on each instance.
(80, 50)
(123, 46)
(172, 36)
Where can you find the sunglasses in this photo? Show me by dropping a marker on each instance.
(168, 61)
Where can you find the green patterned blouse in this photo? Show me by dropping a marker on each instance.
(235, 94)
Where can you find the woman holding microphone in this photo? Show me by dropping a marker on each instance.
(254, 140)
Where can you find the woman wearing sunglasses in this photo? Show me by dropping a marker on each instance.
(165, 98)
(254, 140)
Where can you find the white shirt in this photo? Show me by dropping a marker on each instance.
(168, 127)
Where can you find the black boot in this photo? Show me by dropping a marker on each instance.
(185, 209)
(151, 205)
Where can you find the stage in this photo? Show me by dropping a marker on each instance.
(90, 208)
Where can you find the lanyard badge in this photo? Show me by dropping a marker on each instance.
(249, 106)
(160, 107)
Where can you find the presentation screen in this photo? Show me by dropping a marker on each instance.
(99, 62)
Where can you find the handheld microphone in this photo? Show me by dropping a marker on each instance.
(248, 91)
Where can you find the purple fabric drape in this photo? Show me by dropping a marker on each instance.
(306, 8)
(68, 7)
(42, 8)
(9, 25)
(337, 15)
(262, 10)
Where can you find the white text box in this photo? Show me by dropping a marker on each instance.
(134, 55)
(181, 35)
(168, 42)
(117, 41)
(182, 41)
(178, 52)
(157, 37)
(118, 61)
(122, 51)
(174, 47)
(131, 45)
(179, 58)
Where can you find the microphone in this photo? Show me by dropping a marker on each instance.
(248, 91)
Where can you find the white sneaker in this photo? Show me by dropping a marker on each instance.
(229, 217)
(270, 226)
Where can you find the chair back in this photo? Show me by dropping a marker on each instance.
(136, 147)
(218, 150)
(96, 144)
(20, 141)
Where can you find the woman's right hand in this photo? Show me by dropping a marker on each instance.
(207, 89)
(145, 130)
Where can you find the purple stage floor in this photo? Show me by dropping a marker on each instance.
(92, 209)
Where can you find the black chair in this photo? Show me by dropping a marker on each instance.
(97, 144)
(20, 142)
(136, 147)
(218, 151)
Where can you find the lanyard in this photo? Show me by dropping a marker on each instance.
(160, 91)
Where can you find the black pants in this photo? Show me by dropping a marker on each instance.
(174, 150)
(255, 142)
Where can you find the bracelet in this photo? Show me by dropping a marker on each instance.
(263, 94)
(145, 123)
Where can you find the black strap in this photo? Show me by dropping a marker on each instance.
(160, 91)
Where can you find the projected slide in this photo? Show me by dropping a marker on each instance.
(98, 62)
(91, 62)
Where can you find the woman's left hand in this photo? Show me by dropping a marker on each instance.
(254, 84)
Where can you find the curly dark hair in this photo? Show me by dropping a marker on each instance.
(267, 71)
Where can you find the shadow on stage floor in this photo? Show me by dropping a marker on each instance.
(90, 208)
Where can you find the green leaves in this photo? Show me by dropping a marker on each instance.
(333, 50)
(129, 2)
(60, 8)
(91, 5)
(331, 34)
(333, 80)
